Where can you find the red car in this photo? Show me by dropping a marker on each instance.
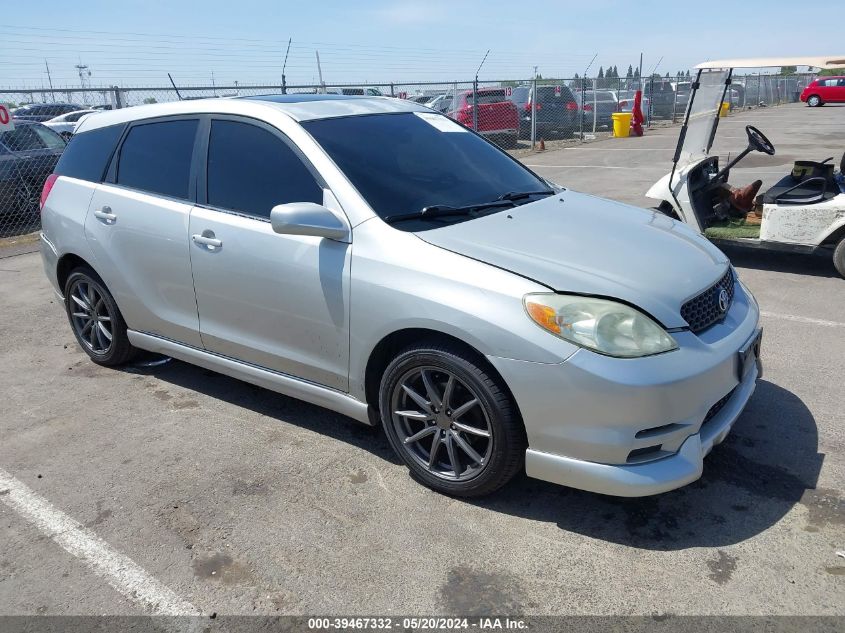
(498, 119)
(824, 90)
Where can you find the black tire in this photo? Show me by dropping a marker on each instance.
(839, 257)
(814, 101)
(507, 442)
(118, 350)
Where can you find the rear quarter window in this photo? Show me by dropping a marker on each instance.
(156, 157)
(87, 154)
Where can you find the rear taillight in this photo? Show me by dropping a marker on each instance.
(571, 105)
(588, 107)
(45, 192)
(464, 115)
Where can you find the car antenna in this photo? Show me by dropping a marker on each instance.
(172, 83)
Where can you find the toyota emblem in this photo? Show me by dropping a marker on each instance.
(724, 300)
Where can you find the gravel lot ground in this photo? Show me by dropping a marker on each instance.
(240, 501)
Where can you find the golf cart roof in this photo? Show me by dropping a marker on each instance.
(823, 61)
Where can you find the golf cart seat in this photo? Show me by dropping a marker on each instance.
(809, 183)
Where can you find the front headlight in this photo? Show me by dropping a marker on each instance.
(601, 325)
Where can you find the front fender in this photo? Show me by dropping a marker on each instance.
(401, 282)
(661, 191)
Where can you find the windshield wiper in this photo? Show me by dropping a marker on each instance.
(443, 210)
(518, 195)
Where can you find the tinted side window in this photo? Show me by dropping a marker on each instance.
(252, 170)
(87, 154)
(156, 157)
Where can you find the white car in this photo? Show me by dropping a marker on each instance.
(65, 124)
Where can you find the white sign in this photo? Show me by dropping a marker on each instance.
(508, 91)
(6, 121)
(557, 91)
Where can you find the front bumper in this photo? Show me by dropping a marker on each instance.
(635, 427)
(649, 478)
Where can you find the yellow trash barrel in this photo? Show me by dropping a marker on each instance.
(726, 107)
(621, 124)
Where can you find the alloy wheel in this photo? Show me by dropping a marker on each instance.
(90, 316)
(441, 423)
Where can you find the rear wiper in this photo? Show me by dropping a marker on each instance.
(517, 195)
(443, 210)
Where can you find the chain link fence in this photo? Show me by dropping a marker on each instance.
(517, 114)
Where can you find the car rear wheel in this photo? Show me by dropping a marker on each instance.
(451, 420)
(814, 101)
(95, 319)
(839, 257)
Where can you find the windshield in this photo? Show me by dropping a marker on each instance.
(402, 163)
(703, 115)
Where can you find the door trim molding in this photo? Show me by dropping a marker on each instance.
(275, 381)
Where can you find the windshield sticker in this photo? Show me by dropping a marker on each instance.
(442, 123)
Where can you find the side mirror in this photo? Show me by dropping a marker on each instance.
(307, 218)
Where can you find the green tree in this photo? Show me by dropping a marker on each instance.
(150, 100)
(832, 72)
(630, 73)
(788, 70)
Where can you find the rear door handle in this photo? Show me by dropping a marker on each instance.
(207, 240)
(105, 214)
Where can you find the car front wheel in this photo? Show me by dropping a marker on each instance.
(450, 420)
(814, 101)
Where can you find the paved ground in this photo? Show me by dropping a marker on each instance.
(237, 500)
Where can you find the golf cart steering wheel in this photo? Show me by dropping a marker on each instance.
(758, 140)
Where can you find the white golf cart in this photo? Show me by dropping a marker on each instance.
(803, 212)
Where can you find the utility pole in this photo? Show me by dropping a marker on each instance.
(50, 80)
(320, 71)
(284, 81)
(83, 69)
(213, 85)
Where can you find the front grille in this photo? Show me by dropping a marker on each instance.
(714, 410)
(703, 310)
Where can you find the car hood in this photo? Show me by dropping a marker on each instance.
(574, 242)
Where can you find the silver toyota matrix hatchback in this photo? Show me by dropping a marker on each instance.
(376, 258)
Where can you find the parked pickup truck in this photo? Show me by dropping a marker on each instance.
(498, 119)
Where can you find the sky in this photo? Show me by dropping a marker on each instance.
(136, 43)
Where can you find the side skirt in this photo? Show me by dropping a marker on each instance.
(275, 381)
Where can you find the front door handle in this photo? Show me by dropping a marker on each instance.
(105, 214)
(207, 239)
